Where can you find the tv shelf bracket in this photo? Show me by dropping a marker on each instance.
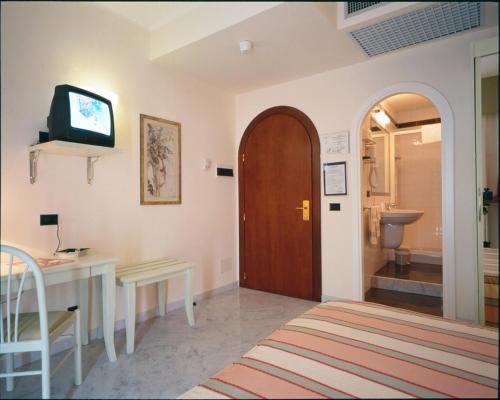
(33, 164)
(90, 152)
(90, 168)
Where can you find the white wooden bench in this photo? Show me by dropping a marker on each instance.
(132, 276)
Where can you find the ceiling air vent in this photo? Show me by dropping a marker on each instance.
(353, 7)
(442, 19)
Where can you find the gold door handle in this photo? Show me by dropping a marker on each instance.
(305, 210)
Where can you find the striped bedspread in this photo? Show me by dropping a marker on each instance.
(343, 349)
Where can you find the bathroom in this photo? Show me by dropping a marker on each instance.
(401, 187)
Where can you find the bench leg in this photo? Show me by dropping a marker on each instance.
(161, 298)
(129, 290)
(188, 295)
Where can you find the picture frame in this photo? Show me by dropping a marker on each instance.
(335, 178)
(160, 161)
(334, 143)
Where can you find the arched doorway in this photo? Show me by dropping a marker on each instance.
(401, 182)
(448, 209)
(279, 204)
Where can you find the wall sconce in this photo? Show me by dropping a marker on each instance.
(107, 94)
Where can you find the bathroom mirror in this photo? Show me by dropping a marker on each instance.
(380, 175)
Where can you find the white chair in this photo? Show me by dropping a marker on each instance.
(27, 332)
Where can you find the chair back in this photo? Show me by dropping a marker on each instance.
(13, 277)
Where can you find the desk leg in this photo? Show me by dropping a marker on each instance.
(108, 311)
(161, 298)
(10, 369)
(129, 290)
(83, 305)
(100, 322)
(188, 296)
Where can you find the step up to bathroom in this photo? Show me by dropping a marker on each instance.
(417, 278)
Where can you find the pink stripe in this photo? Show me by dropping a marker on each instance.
(303, 376)
(340, 369)
(419, 314)
(392, 349)
(263, 384)
(401, 369)
(413, 332)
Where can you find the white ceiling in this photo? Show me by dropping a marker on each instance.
(406, 101)
(151, 14)
(291, 40)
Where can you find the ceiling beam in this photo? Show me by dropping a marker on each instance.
(410, 124)
(202, 22)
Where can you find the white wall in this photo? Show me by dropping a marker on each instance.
(334, 99)
(418, 170)
(46, 44)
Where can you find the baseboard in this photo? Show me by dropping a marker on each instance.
(422, 256)
(325, 297)
(66, 343)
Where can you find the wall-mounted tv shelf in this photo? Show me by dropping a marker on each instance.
(91, 152)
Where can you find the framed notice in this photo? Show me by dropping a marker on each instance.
(335, 143)
(335, 178)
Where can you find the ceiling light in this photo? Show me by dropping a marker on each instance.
(245, 46)
(381, 117)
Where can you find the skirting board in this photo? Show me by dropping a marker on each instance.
(325, 297)
(64, 344)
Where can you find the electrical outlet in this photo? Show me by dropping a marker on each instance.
(49, 219)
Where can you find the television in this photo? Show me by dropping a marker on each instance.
(77, 115)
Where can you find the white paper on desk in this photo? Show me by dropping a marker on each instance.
(335, 179)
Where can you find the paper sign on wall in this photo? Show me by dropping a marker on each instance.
(335, 143)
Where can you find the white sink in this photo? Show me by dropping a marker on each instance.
(400, 217)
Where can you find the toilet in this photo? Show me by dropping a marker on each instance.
(392, 236)
(393, 222)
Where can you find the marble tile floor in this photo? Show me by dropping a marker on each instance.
(171, 357)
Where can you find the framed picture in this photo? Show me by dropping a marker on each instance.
(334, 143)
(335, 178)
(160, 161)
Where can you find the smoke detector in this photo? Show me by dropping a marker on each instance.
(245, 46)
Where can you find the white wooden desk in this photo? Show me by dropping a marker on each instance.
(81, 270)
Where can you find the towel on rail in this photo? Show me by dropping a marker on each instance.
(374, 224)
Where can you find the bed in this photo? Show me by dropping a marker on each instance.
(490, 270)
(346, 349)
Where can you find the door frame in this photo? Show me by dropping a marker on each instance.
(316, 191)
(480, 49)
(447, 187)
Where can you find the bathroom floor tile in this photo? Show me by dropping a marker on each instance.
(415, 272)
(409, 301)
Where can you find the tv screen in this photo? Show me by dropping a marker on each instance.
(89, 114)
(77, 115)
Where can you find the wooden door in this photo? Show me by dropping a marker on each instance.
(279, 169)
